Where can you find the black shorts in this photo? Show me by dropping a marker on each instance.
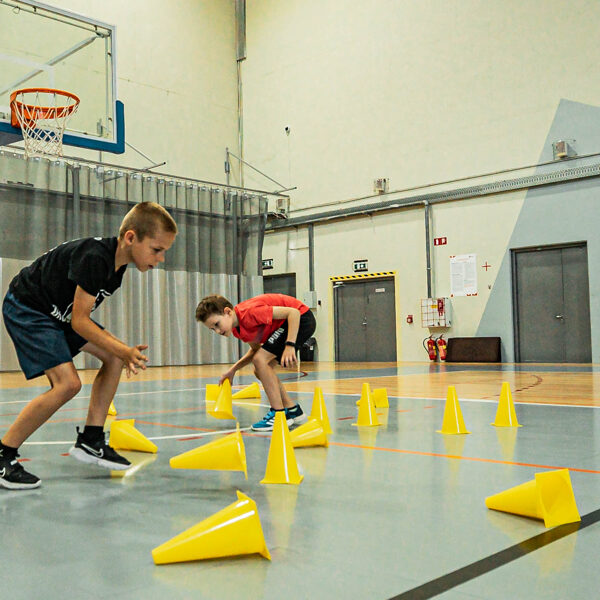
(276, 342)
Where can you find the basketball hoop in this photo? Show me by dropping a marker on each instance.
(42, 114)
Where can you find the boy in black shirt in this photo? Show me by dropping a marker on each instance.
(47, 314)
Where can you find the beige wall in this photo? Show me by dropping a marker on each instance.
(176, 69)
(419, 92)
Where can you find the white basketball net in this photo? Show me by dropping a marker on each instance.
(42, 116)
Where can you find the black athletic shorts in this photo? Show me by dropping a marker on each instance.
(276, 342)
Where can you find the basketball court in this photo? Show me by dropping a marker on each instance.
(391, 511)
(393, 504)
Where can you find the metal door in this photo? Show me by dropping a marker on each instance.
(552, 310)
(365, 320)
(284, 283)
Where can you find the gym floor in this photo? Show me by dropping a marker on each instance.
(395, 511)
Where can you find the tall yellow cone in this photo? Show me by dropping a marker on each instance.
(548, 497)
(225, 454)
(506, 415)
(367, 417)
(223, 407)
(453, 419)
(319, 410)
(124, 436)
(112, 411)
(281, 463)
(232, 531)
(212, 392)
(311, 433)
(251, 391)
(380, 398)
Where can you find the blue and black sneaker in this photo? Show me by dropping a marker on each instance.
(266, 423)
(296, 414)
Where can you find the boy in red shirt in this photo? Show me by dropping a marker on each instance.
(275, 326)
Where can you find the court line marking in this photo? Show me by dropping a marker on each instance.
(446, 582)
(472, 458)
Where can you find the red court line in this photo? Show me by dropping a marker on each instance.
(474, 458)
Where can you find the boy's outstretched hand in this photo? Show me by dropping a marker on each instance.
(134, 358)
(227, 375)
(288, 358)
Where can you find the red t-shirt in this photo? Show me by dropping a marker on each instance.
(255, 316)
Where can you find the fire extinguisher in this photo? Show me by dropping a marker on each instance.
(430, 347)
(441, 346)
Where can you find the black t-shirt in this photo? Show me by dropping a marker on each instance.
(48, 284)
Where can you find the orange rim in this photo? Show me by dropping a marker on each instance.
(33, 113)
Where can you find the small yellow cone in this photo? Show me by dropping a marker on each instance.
(506, 415)
(212, 392)
(251, 391)
(380, 398)
(124, 436)
(225, 454)
(232, 531)
(548, 497)
(319, 410)
(309, 434)
(281, 463)
(112, 411)
(453, 419)
(223, 407)
(367, 417)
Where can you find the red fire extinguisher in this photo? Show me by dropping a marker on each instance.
(441, 346)
(430, 347)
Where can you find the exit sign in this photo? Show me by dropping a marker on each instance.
(441, 241)
(361, 265)
(267, 263)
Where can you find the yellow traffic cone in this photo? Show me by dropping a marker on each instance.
(223, 407)
(124, 436)
(281, 463)
(453, 419)
(367, 417)
(251, 391)
(311, 433)
(506, 415)
(225, 454)
(112, 411)
(319, 410)
(212, 392)
(548, 497)
(380, 398)
(232, 531)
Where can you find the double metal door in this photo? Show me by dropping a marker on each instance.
(552, 306)
(365, 320)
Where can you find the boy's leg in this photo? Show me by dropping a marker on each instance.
(104, 386)
(65, 384)
(91, 446)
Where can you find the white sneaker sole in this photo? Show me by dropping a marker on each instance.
(84, 457)
(19, 486)
(301, 419)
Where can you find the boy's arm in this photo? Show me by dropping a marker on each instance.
(86, 328)
(288, 358)
(240, 363)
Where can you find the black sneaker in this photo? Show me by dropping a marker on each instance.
(296, 413)
(14, 477)
(98, 453)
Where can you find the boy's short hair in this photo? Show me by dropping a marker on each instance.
(211, 305)
(145, 218)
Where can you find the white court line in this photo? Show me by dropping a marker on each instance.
(444, 399)
(160, 437)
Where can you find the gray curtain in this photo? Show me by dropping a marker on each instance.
(218, 249)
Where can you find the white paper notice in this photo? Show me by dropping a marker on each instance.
(463, 275)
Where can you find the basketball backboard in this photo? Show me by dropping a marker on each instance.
(43, 46)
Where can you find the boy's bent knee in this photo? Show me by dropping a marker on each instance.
(69, 387)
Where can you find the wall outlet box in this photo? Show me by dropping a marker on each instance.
(310, 299)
